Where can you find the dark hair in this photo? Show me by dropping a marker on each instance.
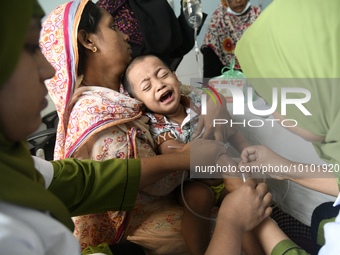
(126, 83)
(89, 22)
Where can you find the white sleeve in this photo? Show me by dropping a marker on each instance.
(332, 237)
(45, 168)
(337, 201)
(17, 238)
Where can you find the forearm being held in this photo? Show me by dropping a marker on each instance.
(157, 167)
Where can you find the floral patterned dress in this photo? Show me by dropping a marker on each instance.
(225, 30)
(163, 130)
(96, 123)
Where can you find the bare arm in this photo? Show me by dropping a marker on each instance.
(157, 167)
(226, 239)
(261, 156)
(325, 185)
(269, 235)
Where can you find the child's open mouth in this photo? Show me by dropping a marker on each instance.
(166, 97)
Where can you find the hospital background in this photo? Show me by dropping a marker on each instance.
(295, 200)
(188, 68)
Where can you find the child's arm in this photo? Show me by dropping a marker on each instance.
(164, 149)
(238, 141)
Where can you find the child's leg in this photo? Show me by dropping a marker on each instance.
(250, 243)
(195, 230)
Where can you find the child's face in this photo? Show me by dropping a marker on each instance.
(155, 85)
(22, 97)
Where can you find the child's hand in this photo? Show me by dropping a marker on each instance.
(247, 206)
(264, 159)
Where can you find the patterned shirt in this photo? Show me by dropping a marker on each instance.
(163, 130)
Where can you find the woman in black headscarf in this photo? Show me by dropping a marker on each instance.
(153, 28)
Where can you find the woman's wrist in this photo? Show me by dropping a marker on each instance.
(226, 221)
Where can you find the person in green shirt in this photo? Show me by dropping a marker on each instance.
(278, 51)
(37, 198)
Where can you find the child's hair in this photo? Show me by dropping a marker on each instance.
(126, 82)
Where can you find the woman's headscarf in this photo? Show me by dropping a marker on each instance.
(298, 42)
(61, 50)
(125, 18)
(58, 41)
(225, 30)
(20, 182)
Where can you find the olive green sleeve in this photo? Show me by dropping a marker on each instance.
(288, 247)
(102, 248)
(87, 186)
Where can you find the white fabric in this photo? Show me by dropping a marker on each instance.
(31, 232)
(27, 231)
(45, 168)
(238, 13)
(332, 237)
(337, 201)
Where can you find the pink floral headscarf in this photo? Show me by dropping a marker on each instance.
(101, 107)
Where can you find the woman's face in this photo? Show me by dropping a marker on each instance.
(22, 97)
(112, 44)
(236, 5)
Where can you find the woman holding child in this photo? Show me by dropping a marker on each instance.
(228, 23)
(96, 120)
(38, 198)
(174, 117)
(279, 55)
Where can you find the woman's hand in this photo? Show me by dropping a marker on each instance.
(204, 152)
(199, 152)
(206, 122)
(247, 206)
(264, 159)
